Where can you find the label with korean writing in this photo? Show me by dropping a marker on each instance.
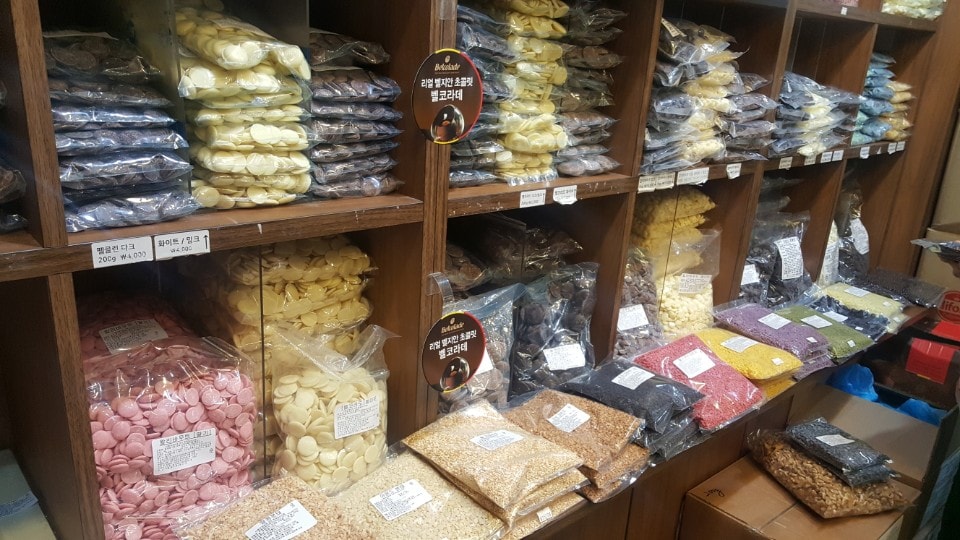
(693, 176)
(496, 440)
(400, 500)
(791, 257)
(856, 291)
(178, 452)
(632, 377)
(816, 321)
(835, 316)
(167, 246)
(865, 152)
(447, 96)
(121, 251)
(777, 361)
(453, 351)
(750, 275)
(655, 182)
(733, 170)
(739, 344)
(786, 163)
(834, 440)
(568, 418)
(632, 317)
(774, 321)
(826, 157)
(694, 283)
(901, 145)
(891, 148)
(809, 160)
(544, 514)
(536, 197)
(565, 357)
(565, 194)
(288, 522)
(837, 155)
(356, 417)
(861, 239)
(131, 334)
(694, 363)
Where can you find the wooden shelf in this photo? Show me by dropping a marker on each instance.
(499, 197)
(827, 10)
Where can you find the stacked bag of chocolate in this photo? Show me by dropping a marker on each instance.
(353, 118)
(699, 98)
(244, 91)
(832, 472)
(119, 164)
(812, 118)
(532, 62)
(883, 113)
(12, 187)
(587, 88)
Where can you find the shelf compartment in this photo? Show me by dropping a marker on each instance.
(831, 11)
(498, 197)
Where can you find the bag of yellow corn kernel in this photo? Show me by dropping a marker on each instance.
(754, 360)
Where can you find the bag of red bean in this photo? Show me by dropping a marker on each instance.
(173, 425)
(727, 394)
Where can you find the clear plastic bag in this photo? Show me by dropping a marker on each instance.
(370, 112)
(78, 143)
(638, 322)
(233, 44)
(254, 163)
(76, 118)
(123, 318)
(587, 166)
(330, 407)
(255, 137)
(553, 9)
(854, 238)
(106, 94)
(582, 151)
(294, 183)
(872, 325)
(569, 99)
(143, 401)
(540, 72)
(686, 293)
(727, 394)
(911, 289)
(596, 136)
(351, 186)
(776, 251)
(325, 173)
(622, 385)
(844, 341)
(754, 360)
(127, 211)
(476, 41)
(590, 57)
(552, 342)
(682, 433)
(121, 169)
(765, 326)
(476, 147)
(815, 486)
(331, 48)
(517, 251)
(540, 142)
(535, 521)
(463, 269)
(203, 80)
(227, 197)
(671, 106)
(477, 18)
(82, 55)
(522, 24)
(468, 178)
(12, 184)
(202, 116)
(857, 298)
(494, 457)
(353, 85)
(591, 430)
(343, 131)
(584, 122)
(10, 222)
(329, 153)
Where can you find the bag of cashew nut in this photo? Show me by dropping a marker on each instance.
(815, 486)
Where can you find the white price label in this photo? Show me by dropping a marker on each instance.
(284, 524)
(632, 377)
(565, 194)
(809, 160)
(167, 246)
(537, 197)
(891, 148)
(655, 182)
(791, 257)
(496, 440)
(486, 363)
(178, 452)
(901, 145)
(357, 417)
(632, 317)
(750, 275)
(123, 251)
(733, 170)
(835, 316)
(856, 291)
(851, 343)
(777, 361)
(865, 152)
(837, 155)
(861, 239)
(400, 500)
(568, 418)
(786, 163)
(693, 176)
(774, 321)
(843, 10)
(694, 283)
(694, 363)
(130, 334)
(826, 157)
(816, 321)
(739, 344)
(834, 440)
(544, 514)
(811, 339)
(565, 357)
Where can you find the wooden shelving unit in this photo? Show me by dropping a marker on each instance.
(43, 400)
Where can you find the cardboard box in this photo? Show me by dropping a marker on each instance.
(743, 502)
(26, 520)
(908, 442)
(931, 268)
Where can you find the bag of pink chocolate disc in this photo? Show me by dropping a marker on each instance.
(173, 423)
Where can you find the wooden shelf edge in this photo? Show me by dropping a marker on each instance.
(698, 175)
(829, 10)
(489, 198)
(228, 230)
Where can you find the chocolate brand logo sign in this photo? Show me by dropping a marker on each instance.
(447, 96)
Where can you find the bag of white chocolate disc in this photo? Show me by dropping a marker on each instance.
(686, 290)
(330, 409)
(174, 427)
